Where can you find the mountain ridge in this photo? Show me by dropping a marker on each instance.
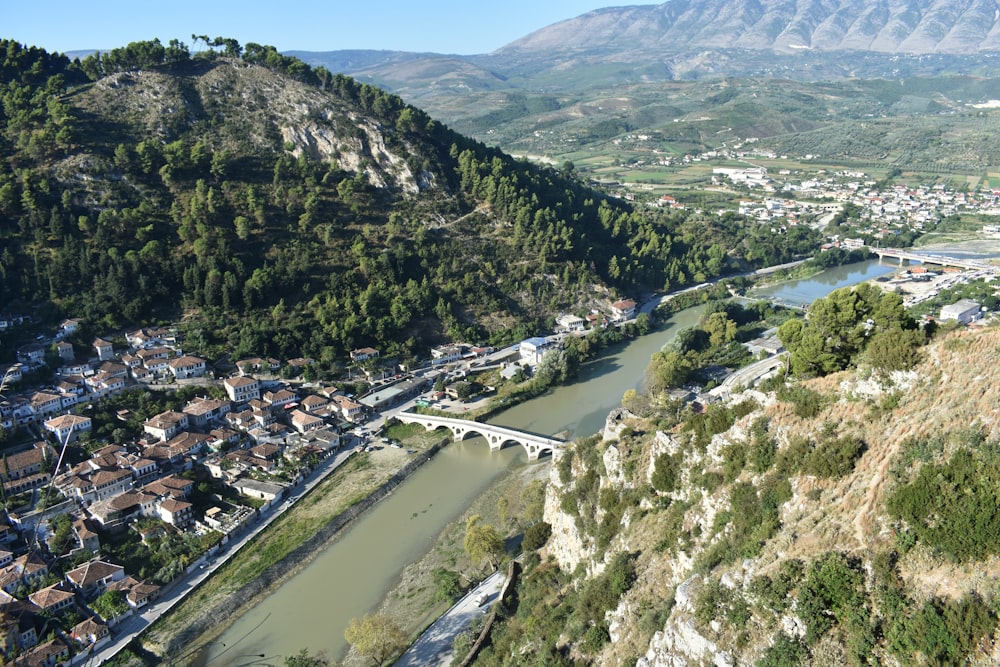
(783, 26)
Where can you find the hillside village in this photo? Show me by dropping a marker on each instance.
(196, 476)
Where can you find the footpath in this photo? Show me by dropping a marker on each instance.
(434, 647)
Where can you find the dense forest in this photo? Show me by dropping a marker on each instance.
(282, 209)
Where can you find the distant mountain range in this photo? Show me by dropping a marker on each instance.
(691, 39)
(958, 27)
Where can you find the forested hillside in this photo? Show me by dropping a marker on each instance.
(293, 211)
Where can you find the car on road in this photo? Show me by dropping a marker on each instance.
(481, 599)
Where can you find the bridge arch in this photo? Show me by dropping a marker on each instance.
(496, 436)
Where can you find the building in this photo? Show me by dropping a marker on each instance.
(303, 421)
(137, 593)
(105, 350)
(242, 389)
(257, 489)
(178, 513)
(53, 599)
(67, 327)
(187, 367)
(623, 310)
(570, 323)
(26, 464)
(67, 428)
(45, 403)
(533, 349)
(65, 351)
(364, 353)
(443, 354)
(963, 311)
(203, 411)
(280, 398)
(165, 425)
(24, 571)
(92, 578)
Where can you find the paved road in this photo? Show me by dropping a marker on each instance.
(433, 648)
(748, 374)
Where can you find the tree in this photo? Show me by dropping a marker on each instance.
(303, 659)
(376, 637)
(483, 542)
(536, 535)
(721, 330)
(667, 369)
(894, 349)
(110, 604)
(447, 585)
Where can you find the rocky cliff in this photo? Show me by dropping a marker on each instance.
(844, 519)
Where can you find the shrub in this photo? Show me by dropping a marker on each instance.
(944, 632)
(536, 535)
(447, 586)
(784, 652)
(834, 458)
(665, 473)
(832, 591)
(953, 507)
(595, 637)
(565, 467)
(806, 403)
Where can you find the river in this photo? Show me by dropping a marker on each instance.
(353, 574)
(804, 292)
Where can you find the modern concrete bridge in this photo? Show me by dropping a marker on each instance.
(940, 260)
(496, 436)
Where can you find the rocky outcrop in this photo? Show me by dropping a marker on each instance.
(680, 643)
(567, 545)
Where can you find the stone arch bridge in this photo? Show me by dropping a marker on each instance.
(496, 436)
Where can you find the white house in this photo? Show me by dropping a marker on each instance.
(363, 353)
(533, 349)
(623, 310)
(105, 350)
(187, 367)
(242, 389)
(570, 322)
(67, 428)
(165, 425)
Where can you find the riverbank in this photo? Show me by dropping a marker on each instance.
(306, 529)
(508, 505)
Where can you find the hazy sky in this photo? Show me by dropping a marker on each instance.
(442, 26)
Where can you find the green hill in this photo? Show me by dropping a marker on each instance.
(282, 209)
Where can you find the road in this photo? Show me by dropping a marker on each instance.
(434, 647)
(748, 375)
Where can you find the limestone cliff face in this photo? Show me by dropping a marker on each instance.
(274, 114)
(680, 643)
(567, 545)
(742, 520)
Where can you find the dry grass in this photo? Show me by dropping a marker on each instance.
(958, 388)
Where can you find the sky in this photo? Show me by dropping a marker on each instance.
(442, 26)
